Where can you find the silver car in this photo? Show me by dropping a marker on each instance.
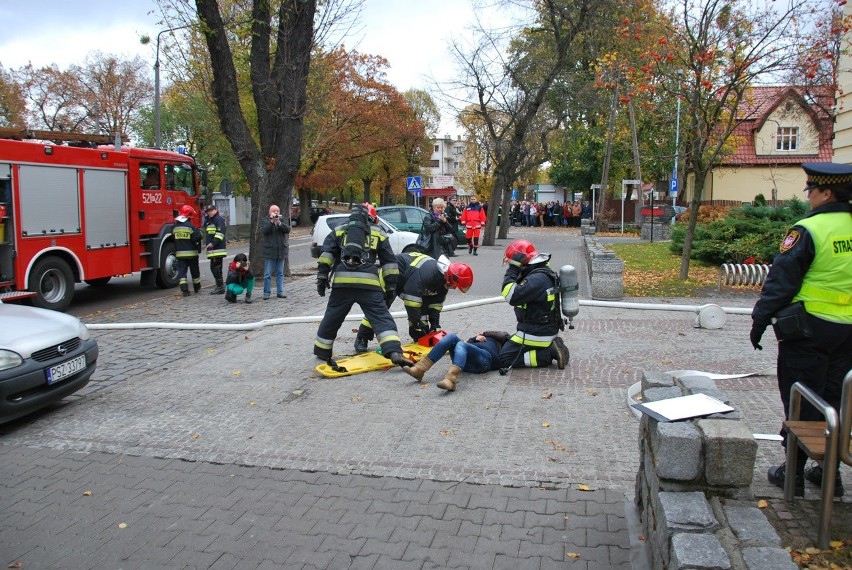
(44, 356)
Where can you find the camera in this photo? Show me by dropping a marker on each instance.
(276, 216)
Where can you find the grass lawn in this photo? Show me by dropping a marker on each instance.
(651, 270)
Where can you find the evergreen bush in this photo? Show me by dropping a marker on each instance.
(749, 232)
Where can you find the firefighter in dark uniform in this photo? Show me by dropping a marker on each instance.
(351, 254)
(814, 266)
(214, 230)
(187, 247)
(422, 285)
(530, 286)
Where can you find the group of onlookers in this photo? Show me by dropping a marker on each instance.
(552, 213)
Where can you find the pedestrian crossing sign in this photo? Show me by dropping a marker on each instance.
(413, 183)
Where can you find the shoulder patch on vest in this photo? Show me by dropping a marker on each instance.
(790, 240)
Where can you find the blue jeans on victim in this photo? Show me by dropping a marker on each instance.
(468, 357)
(273, 267)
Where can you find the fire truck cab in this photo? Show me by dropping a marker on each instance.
(70, 214)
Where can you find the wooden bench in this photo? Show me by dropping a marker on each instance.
(827, 441)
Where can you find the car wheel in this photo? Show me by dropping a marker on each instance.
(167, 274)
(53, 283)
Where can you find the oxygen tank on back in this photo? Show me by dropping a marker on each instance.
(569, 289)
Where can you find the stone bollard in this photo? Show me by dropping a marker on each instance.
(607, 277)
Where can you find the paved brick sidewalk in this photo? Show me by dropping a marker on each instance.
(66, 509)
(194, 427)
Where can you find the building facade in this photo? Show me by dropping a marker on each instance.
(444, 166)
(780, 128)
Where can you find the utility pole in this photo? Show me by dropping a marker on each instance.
(607, 154)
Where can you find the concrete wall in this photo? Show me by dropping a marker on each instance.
(843, 125)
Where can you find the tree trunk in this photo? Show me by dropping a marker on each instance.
(610, 130)
(694, 204)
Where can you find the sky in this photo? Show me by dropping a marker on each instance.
(411, 35)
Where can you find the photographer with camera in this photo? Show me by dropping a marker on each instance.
(240, 278)
(274, 229)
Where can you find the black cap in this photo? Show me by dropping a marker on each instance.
(211, 207)
(827, 173)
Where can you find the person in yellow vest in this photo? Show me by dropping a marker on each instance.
(814, 267)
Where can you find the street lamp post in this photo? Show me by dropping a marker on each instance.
(157, 84)
(674, 185)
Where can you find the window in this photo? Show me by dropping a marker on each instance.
(179, 177)
(434, 163)
(149, 176)
(437, 148)
(787, 138)
(459, 150)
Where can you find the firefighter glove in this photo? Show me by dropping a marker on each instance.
(756, 334)
(322, 285)
(518, 259)
(390, 295)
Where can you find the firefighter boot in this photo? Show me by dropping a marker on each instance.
(185, 292)
(220, 287)
(400, 359)
(248, 298)
(419, 369)
(560, 353)
(449, 381)
(361, 344)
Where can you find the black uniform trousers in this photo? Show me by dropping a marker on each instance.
(216, 268)
(375, 309)
(191, 264)
(513, 354)
(820, 362)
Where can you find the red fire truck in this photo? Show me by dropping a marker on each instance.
(70, 214)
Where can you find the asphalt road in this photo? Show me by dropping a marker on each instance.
(121, 291)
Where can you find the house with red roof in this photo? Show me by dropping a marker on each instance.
(780, 128)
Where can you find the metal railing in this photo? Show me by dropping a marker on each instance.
(742, 274)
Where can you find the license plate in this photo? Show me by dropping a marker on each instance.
(60, 371)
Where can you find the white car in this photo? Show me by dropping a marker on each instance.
(400, 241)
(44, 356)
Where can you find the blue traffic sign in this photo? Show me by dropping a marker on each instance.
(412, 183)
(674, 186)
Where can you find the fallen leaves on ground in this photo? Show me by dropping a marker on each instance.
(838, 556)
(582, 487)
(572, 555)
(357, 398)
(762, 504)
(556, 445)
(547, 396)
(447, 432)
(17, 564)
(545, 425)
(87, 493)
(195, 436)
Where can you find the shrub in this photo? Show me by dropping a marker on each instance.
(739, 234)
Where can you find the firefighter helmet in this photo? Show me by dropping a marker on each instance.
(371, 212)
(459, 276)
(520, 246)
(187, 211)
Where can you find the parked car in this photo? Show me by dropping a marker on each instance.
(410, 218)
(316, 212)
(44, 356)
(400, 241)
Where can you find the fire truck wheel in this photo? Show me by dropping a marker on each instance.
(167, 274)
(99, 282)
(53, 283)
